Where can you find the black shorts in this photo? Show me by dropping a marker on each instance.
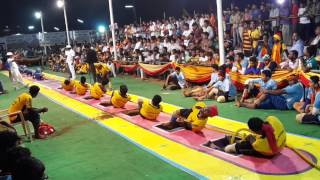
(225, 94)
(310, 119)
(245, 147)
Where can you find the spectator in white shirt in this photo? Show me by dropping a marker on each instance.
(70, 54)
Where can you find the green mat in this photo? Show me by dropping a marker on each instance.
(82, 150)
(151, 87)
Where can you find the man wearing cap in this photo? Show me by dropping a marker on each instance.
(194, 119)
(277, 49)
(14, 69)
(281, 99)
(70, 54)
(267, 64)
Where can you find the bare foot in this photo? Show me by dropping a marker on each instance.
(238, 104)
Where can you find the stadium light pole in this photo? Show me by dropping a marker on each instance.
(134, 11)
(112, 30)
(220, 32)
(39, 15)
(62, 4)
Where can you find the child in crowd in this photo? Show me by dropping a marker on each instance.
(194, 119)
(253, 67)
(268, 64)
(240, 64)
(118, 98)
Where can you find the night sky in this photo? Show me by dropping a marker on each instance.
(19, 14)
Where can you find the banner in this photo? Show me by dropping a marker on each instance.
(196, 74)
(154, 70)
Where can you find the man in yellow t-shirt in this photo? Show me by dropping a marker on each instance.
(102, 71)
(194, 119)
(67, 85)
(150, 110)
(118, 98)
(23, 103)
(97, 90)
(81, 87)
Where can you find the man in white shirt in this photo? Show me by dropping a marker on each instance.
(70, 54)
(14, 69)
(274, 14)
(207, 28)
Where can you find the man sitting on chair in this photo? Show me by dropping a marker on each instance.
(23, 103)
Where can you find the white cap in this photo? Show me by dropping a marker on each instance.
(68, 47)
(9, 54)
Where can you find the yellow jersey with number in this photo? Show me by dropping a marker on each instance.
(22, 102)
(81, 89)
(150, 111)
(261, 144)
(197, 124)
(118, 101)
(96, 91)
(68, 87)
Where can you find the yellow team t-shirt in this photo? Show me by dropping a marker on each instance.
(261, 144)
(22, 102)
(81, 89)
(149, 111)
(118, 101)
(103, 71)
(96, 91)
(197, 124)
(68, 87)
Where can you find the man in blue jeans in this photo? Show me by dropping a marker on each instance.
(281, 99)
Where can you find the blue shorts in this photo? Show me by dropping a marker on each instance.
(274, 102)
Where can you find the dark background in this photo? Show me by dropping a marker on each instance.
(19, 14)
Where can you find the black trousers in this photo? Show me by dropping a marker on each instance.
(1, 87)
(33, 117)
(92, 70)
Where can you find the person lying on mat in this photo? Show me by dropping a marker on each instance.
(177, 78)
(201, 90)
(281, 99)
(97, 90)
(312, 113)
(67, 85)
(23, 103)
(81, 87)
(269, 138)
(194, 119)
(253, 87)
(118, 98)
(223, 90)
(149, 110)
